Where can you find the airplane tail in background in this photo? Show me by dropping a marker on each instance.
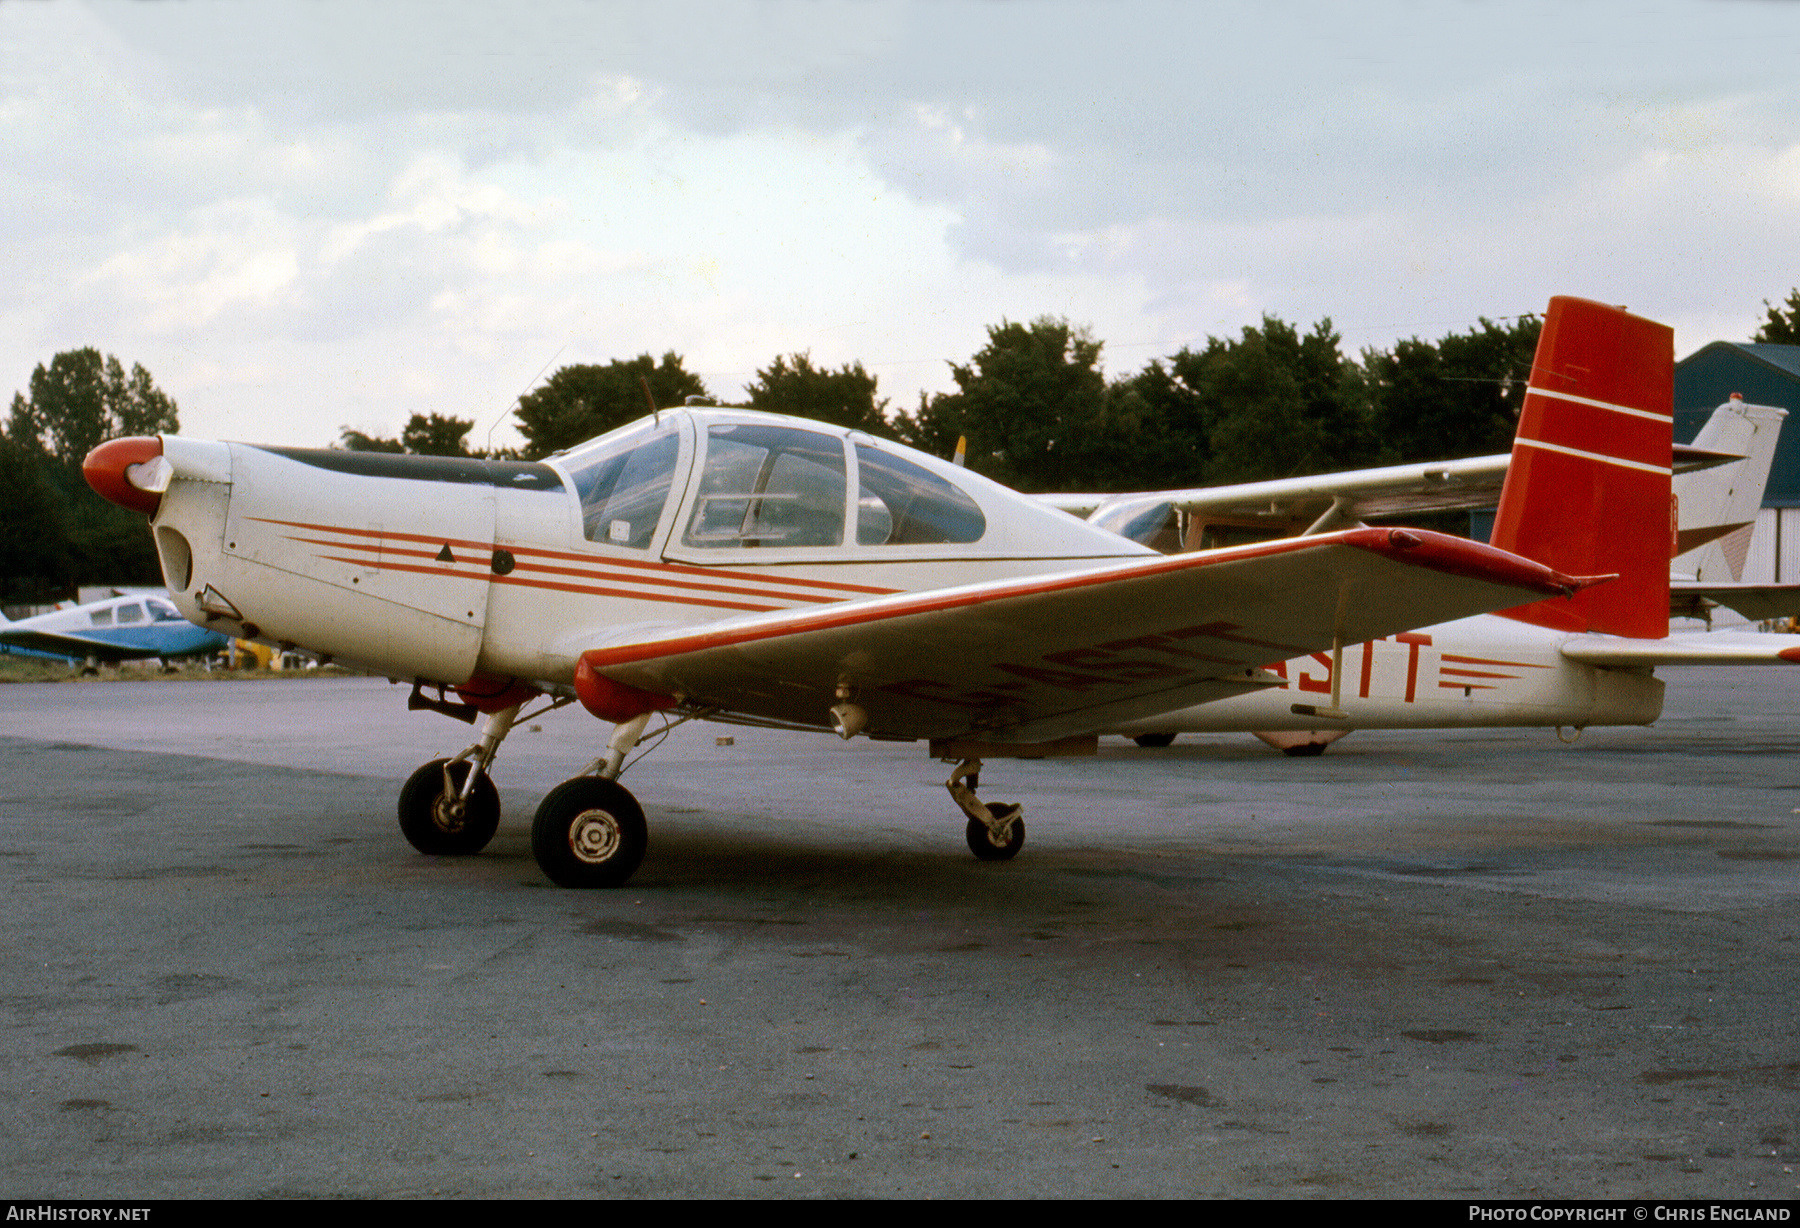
(1719, 505)
(1588, 488)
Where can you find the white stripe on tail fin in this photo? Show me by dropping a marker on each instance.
(1587, 491)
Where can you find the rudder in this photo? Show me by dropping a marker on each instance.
(1587, 490)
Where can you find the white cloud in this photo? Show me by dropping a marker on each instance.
(301, 215)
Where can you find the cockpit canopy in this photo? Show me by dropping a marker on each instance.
(761, 482)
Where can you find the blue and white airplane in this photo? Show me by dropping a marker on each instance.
(115, 629)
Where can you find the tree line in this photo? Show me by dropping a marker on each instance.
(1035, 404)
(1040, 413)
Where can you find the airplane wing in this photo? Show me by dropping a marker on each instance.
(1713, 648)
(1045, 657)
(1691, 599)
(1439, 486)
(1336, 500)
(65, 645)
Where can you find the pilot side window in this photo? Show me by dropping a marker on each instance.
(901, 504)
(769, 486)
(131, 613)
(623, 484)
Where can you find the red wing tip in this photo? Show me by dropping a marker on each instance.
(1790, 655)
(1475, 560)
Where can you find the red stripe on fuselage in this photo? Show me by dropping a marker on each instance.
(1461, 660)
(521, 553)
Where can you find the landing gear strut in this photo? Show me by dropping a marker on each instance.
(996, 831)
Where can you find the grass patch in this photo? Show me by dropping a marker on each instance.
(15, 668)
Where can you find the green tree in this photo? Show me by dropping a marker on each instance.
(1457, 397)
(82, 399)
(436, 435)
(1270, 403)
(424, 435)
(1169, 422)
(1783, 324)
(356, 441)
(580, 402)
(844, 397)
(79, 400)
(34, 524)
(1032, 404)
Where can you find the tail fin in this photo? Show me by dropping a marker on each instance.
(1718, 506)
(1587, 491)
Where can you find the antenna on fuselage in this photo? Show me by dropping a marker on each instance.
(649, 400)
(521, 396)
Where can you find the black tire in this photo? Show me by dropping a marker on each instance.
(1306, 750)
(981, 840)
(427, 822)
(589, 832)
(1151, 741)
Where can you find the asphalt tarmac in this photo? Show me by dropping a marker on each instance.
(1424, 965)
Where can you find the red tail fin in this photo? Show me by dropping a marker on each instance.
(1587, 490)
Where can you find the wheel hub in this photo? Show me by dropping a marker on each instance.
(594, 836)
(450, 814)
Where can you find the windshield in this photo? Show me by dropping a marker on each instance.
(623, 482)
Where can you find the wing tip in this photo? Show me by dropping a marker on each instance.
(1460, 556)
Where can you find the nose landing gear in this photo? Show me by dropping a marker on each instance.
(438, 817)
(449, 807)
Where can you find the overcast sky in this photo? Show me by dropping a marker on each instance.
(306, 216)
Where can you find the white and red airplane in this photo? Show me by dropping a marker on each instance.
(736, 566)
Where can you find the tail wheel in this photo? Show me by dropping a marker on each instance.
(437, 822)
(1154, 740)
(981, 837)
(589, 832)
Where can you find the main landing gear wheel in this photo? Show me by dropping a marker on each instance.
(589, 832)
(436, 821)
(1153, 740)
(986, 845)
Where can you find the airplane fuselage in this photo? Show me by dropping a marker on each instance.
(1484, 671)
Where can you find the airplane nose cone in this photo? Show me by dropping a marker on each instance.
(130, 472)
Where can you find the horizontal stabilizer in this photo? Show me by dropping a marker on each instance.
(1718, 648)
(1692, 599)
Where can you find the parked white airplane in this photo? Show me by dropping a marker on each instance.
(113, 629)
(737, 566)
(1593, 663)
(1718, 485)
